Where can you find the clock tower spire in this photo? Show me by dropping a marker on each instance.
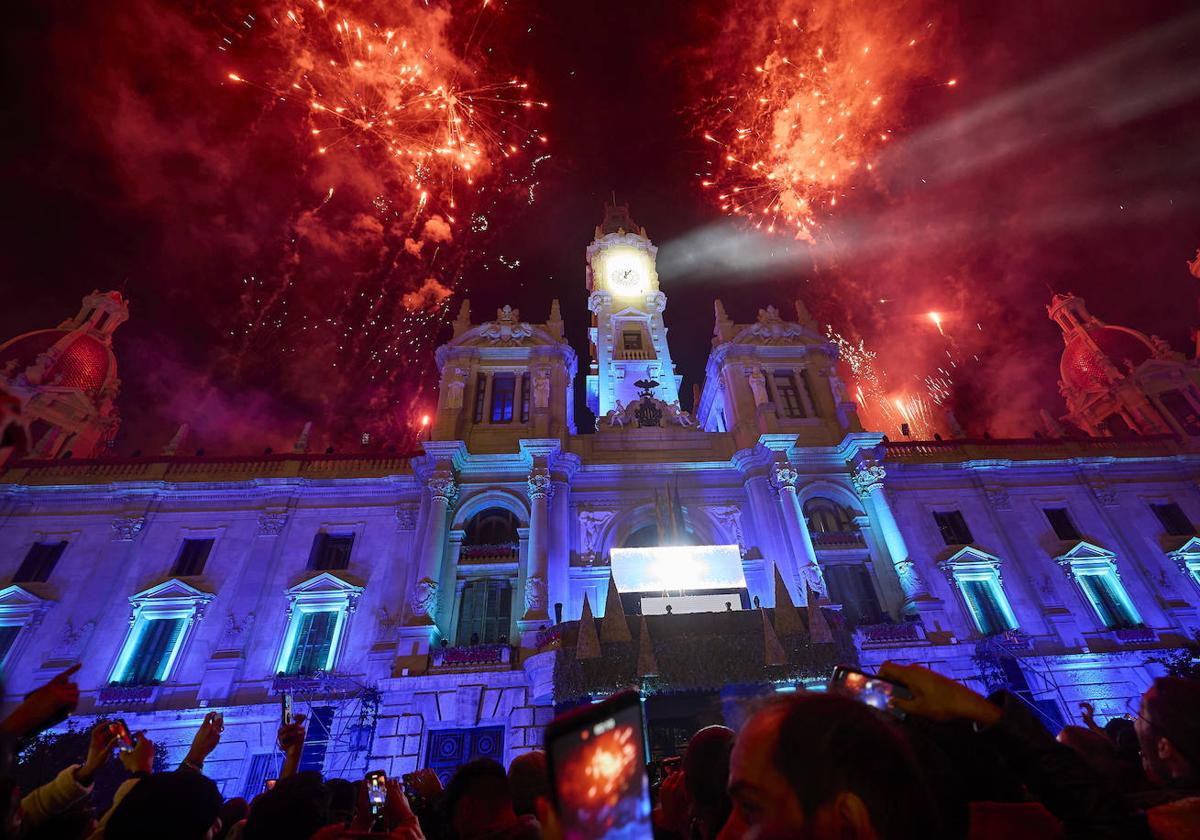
(628, 338)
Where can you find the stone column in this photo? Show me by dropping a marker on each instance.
(423, 597)
(783, 477)
(868, 481)
(540, 488)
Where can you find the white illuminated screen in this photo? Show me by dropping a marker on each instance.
(684, 604)
(677, 567)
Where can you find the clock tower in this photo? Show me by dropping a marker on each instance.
(628, 338)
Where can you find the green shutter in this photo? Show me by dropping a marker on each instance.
(154, 646)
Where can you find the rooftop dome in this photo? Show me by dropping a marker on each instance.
(1082, 363)
(86, 364)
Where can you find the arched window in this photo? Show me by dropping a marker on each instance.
(825, 516)
(494, 526)
(649, 536)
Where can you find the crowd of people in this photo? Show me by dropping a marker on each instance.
(942, 761)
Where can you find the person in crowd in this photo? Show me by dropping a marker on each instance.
(818, 765)
(183, 804)
(1084, 802)
(342, 796)
(693, 802)
(1168, 732)
(479, 805)
(528, 780)
(232, 812)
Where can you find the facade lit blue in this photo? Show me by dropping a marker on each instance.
(417, 607)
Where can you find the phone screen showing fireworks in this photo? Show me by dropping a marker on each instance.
(598, 767)
(867, 688)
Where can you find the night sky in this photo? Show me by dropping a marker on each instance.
(1065, 158)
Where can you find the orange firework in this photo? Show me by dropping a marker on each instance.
(812, 113)
(418, 112)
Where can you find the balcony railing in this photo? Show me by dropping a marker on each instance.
(1025, 449)
(471, 656)
(838, 539)
(503, 553)
(635, 355)
(126, 695)
(1135, 635)
(885, 634)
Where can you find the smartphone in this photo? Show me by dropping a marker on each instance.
(124, 739)
(286, 702)
(269, 784)
(597, 761)
(871, 689)
(376, 790)
(415, 800)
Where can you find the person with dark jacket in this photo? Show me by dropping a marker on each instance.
(1082, 800)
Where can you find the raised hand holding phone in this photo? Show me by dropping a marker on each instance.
(44, 706)
(291, 741)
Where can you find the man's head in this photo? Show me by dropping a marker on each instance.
(296, 807)
(706, 775)
(181, 804)
(478, 800)
(528, 779)
(1168, 729)
(819, 765)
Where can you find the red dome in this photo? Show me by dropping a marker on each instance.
(86, 364)
(1082, 366)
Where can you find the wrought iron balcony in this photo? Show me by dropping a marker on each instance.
(838, 539)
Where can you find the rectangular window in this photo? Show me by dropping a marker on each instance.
(480, 396)
(953, 527)
(153, 650)
(8, 637)
(330, 552)
(631, 340)
(1060, 521)
(39, 562)
(525, 397)
(850, 585)
(1109, 600)
(984, 602)
(314, 640)
(193, 554)
(484, 612)
(1174, 520)
(787, 397)
(503, 386)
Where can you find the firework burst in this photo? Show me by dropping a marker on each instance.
(806, 120)
(400, 129)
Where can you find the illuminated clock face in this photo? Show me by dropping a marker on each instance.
(626, 278)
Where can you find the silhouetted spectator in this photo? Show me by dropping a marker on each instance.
(528, 779)
(182, 804)
(479, 805)
(297, 806)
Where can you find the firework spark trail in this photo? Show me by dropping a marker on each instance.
(411, 132)
(807, 119)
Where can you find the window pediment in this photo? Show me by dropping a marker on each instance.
(171, 593)
(1085, 556)
(1189, 551)
(968, 560)
(17, 602)
(325, 590)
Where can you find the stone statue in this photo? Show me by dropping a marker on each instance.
(541, 388)
(535, 595)
(456, 383)
(591, 524)
(424, 598)
(758, 385)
